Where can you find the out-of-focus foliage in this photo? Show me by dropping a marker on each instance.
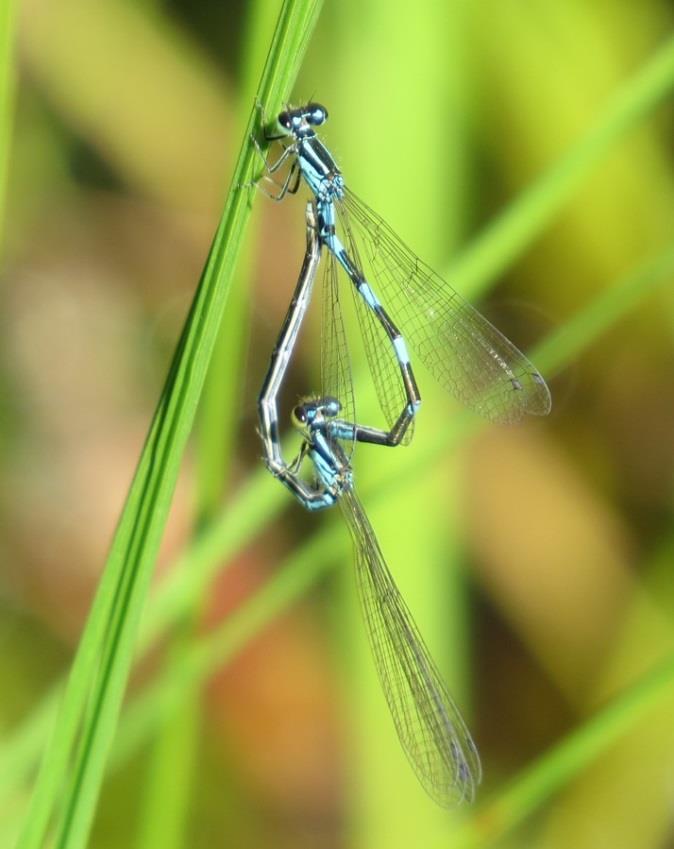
(524, 147)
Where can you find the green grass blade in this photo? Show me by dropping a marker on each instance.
(167, 789)
(564, 345)
(95, 681)
(567, 759)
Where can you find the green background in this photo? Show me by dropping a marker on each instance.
(524, 150)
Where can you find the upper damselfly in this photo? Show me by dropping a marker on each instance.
(470, 358)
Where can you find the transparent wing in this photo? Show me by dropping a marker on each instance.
(465, 352)
(336, 379)
(429, 725)
(381, 358)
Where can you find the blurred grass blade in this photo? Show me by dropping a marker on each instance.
(427, 559)
(164, 813)
(491, 821)
(490, 255)
(7, 19)
(555, 769)
(100, 670)
(565, 344)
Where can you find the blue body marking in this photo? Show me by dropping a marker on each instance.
(401, 349)
(368, 294)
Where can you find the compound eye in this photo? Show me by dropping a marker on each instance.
(332, 407)
(285, 120)
(316, 114)
(300, 414)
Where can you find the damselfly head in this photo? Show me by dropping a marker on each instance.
(300, 122)
(329, 406)
(314, 411)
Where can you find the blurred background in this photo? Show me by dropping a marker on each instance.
(537, 559)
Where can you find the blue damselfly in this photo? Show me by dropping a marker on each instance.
(468, 356)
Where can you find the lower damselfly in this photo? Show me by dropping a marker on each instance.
(430, 727)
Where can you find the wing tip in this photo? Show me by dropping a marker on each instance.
(526, 394)
(450, 788)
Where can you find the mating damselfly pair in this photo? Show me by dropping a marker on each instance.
(466, 354)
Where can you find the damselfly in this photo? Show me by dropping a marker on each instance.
(428, 723)
(461, 348)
